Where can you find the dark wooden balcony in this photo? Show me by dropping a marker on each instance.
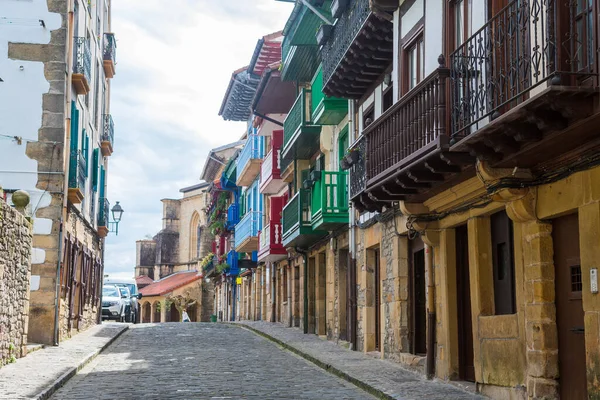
(523, 86)
(405, 152)
(358, 52)
(300, 136)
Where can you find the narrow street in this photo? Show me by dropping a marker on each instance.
(201, 361)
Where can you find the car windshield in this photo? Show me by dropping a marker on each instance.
(109, 291)
(129, 286)
(124, 291)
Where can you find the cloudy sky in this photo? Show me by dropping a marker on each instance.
(174, 62)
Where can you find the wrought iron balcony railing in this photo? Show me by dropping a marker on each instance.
(82, 59)
(77, 171)
(344, 33)
(404, 132)
(110, 48)
(524, 46)
(247, 228)
(358, 171)
(108, 129)
(103, 212)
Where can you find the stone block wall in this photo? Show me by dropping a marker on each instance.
(15, 272)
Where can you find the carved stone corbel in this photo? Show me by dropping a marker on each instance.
(489, 174)
(520, 204)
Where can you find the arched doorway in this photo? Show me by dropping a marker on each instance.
(174, 314)
(156, 311)
(193, 313)
(146, 310)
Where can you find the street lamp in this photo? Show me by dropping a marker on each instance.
(117, 214)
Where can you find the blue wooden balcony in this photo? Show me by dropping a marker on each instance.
(250, 160)
(233, 216)
(246, 232)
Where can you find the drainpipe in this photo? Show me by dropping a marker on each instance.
(273, 279)
(305, 286)
(289, 295)
(66, 164)
(233, 297)
(352, 243)
(431, 320)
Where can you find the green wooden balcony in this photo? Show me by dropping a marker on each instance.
(299, 62)
(296, 221)
(326, 110)
(300, 136)
(329, 200)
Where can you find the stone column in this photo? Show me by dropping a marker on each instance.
(321, 294)
(163, 311)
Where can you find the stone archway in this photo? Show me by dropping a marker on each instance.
(193, 312)
(146, 312)
(156, 311)
(174, 315)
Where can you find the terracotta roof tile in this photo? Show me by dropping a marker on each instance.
(143, 280)
(170, 283)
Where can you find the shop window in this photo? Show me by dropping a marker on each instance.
(503, 263)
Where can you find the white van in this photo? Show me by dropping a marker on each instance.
(133, 290)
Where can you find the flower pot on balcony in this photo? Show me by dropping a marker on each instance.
(324, 33)
(307, 184)
(344, 164)
(353, 155)
(338, 7)
(315, 176)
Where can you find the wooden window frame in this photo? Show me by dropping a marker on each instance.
(408, 43)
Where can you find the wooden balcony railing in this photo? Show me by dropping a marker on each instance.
(296, 213)
(401, 134)
(233, 216)
(270, 168)
(329, 200)
(299, 115)
(526, 45)
(270, 237)
(248, 227)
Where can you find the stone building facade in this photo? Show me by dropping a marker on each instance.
(16, 234)
(60, 66)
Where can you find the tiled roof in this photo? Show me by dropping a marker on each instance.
(143, 280)
(170, 283)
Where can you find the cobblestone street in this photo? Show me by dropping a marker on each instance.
(201, 361)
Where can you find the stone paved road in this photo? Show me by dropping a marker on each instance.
(201, 361)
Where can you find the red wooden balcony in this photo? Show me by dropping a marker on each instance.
(270, 171)
(270, 244)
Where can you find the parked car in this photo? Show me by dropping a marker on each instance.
(113, 305)
(134, 295)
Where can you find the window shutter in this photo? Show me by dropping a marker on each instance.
(102, 178)
(85, 150)
(74, 127)
(95, 162)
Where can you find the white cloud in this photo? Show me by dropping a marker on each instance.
(174, 62)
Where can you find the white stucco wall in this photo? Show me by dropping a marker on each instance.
(21, 98)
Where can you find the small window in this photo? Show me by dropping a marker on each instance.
(388, 98)
(503, 263)
(576, 283)
(415, 62)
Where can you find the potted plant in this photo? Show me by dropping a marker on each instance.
(323, 34)
(338, 7)
(307, 184)
(315, 176)
(344, 164)
(353, 155)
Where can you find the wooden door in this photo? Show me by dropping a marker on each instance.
(466, 369)
(418, 328)
(377, 294)
(569, 308)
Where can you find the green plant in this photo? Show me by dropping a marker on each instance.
(205, 262)
(222, 267)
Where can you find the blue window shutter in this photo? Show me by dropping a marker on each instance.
(95, 162)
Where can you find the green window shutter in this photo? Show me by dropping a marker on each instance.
(74, 127)
(85, 145)
(95, 162)
(102, 180)
(343, 142)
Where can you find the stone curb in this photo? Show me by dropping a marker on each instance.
(57, 384)
(327, 367)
